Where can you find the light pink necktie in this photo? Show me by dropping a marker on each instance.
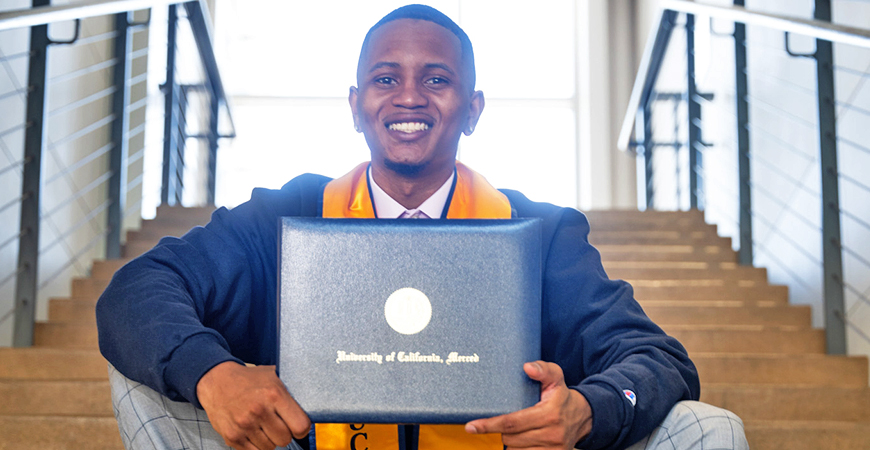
(416, 215)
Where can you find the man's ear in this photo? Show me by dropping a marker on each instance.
(352, 98)
(475, 108)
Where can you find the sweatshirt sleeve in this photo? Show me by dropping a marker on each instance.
(190, 303)
(626, 367)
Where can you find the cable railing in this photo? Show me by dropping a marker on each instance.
(768, 141)
(73, 91)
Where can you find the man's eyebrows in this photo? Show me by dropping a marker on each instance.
(441, 66)
(395, 65)
(382, 64)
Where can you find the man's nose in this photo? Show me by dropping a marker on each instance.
(410, 95)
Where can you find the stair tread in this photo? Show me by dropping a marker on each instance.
(684, 275)
(59, 433)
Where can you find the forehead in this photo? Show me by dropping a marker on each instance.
(406, 39)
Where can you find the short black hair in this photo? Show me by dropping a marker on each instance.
(430, 14)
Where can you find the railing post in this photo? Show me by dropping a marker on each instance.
(694, 113)
(643, 122)
(835, 320)
(170, 193)
(117, 157)
(212, 143)
(744, 255)
(28, 247)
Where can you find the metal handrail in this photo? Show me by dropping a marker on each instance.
(197, 10)
(116, 75)
(43, 15)
(648, 72)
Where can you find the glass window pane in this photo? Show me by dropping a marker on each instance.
(530, 149)
(522, 49)
(305, 49)
(278, 140)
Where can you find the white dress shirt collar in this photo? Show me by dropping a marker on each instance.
(387, 208)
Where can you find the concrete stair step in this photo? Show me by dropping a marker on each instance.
(645, 220)
(178, 214)
(71, 310)
(133, 249)
(767, 295)
(56, 398)
(696, 338)
(696, 238)
(745, 339)
(692, 282)
(51, 364)
(153, 232)
(782, 370)
(65, 335)
(695, 234)
(807, 435)
(614, 271)
(671, 252)
(88, 288)
(59, 433)
(725, 313)
(168, 213)
(791, 402)
(104, 269)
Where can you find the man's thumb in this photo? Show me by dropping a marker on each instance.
(547, 373)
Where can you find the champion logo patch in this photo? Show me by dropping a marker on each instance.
(630, 396)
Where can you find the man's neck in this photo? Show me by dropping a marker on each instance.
(410, 192)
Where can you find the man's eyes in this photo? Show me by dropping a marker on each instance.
(437, 81)
(431, 81)
(385, 80)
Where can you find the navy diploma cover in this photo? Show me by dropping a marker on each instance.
(409, 321)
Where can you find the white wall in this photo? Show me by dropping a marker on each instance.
(784, 147)
(72, 201)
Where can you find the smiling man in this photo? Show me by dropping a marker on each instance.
(178, 322)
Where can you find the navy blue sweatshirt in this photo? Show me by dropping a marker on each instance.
(208, 297)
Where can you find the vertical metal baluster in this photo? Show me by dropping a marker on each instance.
(694, 113)
(181, 142)
(835, 325)
(648, 146)
(644, 152)
(212, 142)
(744, 255)
(118, 156)
(28, 244)
(168, 192)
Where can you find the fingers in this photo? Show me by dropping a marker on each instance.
(292, 414)
(550, 375)
(251, 408)
(559, 420)
(262, 442)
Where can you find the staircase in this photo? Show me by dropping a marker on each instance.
(55, 395)
(756, 355)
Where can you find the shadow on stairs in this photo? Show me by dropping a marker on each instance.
(757, 355)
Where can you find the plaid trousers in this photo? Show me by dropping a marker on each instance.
(148, 420)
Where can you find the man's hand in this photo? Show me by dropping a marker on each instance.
(250, 407)
(558, 421)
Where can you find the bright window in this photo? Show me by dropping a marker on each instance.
(287, 67)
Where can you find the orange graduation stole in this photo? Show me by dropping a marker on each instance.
(348, 197)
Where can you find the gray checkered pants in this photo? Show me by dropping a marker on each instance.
(148, 420)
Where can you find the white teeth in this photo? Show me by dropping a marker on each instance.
(408, 127)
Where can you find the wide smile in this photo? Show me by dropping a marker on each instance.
(408, 127)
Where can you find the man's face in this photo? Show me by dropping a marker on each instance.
(414, 100)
